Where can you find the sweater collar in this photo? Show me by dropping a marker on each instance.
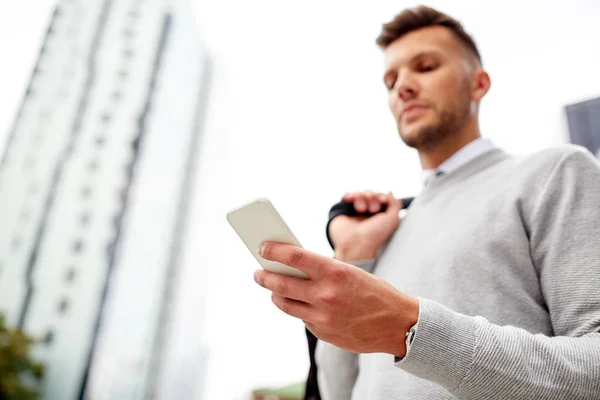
(467, 153)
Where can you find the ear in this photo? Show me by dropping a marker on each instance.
(481, 84)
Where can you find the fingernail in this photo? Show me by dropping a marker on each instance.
(256, 276)
(261, 248)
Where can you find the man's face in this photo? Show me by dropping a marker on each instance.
(429, 80)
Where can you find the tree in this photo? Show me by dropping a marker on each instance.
(20, 376)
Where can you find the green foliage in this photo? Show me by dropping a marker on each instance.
(20, 376)
(295, 391)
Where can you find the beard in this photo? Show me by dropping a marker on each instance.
(451, 120)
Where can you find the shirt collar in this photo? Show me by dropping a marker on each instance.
(467, 153)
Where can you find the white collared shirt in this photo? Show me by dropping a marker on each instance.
(472, 150)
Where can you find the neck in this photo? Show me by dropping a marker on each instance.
(436, 154)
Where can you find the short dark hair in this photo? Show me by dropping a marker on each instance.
(419, 17)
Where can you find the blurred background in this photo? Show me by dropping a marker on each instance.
(128, 128)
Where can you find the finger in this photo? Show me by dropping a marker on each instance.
(373, 202)
(360, 204)
(284, 286)
(312, 264)
(370, 195)
(365, 201)
(374, 205)
(349, 197)
(294, 308)
(394, 204)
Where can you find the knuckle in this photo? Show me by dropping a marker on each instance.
(281, 288)
(330, 298)
(339, 274)
(322, 264)
(373, 196)
(295, 257)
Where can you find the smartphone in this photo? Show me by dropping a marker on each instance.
(259, 221)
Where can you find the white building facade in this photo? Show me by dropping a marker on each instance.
(94, 185)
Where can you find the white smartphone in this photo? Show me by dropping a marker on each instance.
(259, 221)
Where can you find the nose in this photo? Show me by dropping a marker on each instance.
(406, 86)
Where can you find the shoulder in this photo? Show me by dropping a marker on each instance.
(566, 153)
(562, 167)
(566, 170)
(560, 157)
(561, 153)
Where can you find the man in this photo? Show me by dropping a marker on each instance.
(489, 287)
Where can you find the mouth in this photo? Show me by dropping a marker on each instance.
(412, 111)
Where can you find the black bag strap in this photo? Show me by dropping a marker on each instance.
(347, 208)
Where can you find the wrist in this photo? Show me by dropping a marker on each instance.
(349, 253)
(407, 318)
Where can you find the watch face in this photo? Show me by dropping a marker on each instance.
(411, 336)
(584, 124)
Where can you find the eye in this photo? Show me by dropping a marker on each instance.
(390, 82)
(427, 67)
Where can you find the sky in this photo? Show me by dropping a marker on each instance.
(297, 113)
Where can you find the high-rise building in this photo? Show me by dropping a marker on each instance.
(93, 189)
(583, 119)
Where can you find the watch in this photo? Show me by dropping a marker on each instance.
(410, 336)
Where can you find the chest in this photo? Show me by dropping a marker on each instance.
(474, 259)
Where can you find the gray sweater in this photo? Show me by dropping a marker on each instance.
(504, 255)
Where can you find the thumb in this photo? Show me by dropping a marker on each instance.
(394, 205)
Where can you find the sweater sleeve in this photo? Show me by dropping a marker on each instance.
(475, 359)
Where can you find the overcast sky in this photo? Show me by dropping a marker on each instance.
(298, 114)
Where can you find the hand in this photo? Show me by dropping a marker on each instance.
(358, 238)
(339, 303)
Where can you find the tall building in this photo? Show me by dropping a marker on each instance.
(93, 190)
(583, 119)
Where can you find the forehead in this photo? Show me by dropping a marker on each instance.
(435, 39)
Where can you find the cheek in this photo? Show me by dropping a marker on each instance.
(442, 84)
(443, 93)
(440, 92)
(393, 103)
